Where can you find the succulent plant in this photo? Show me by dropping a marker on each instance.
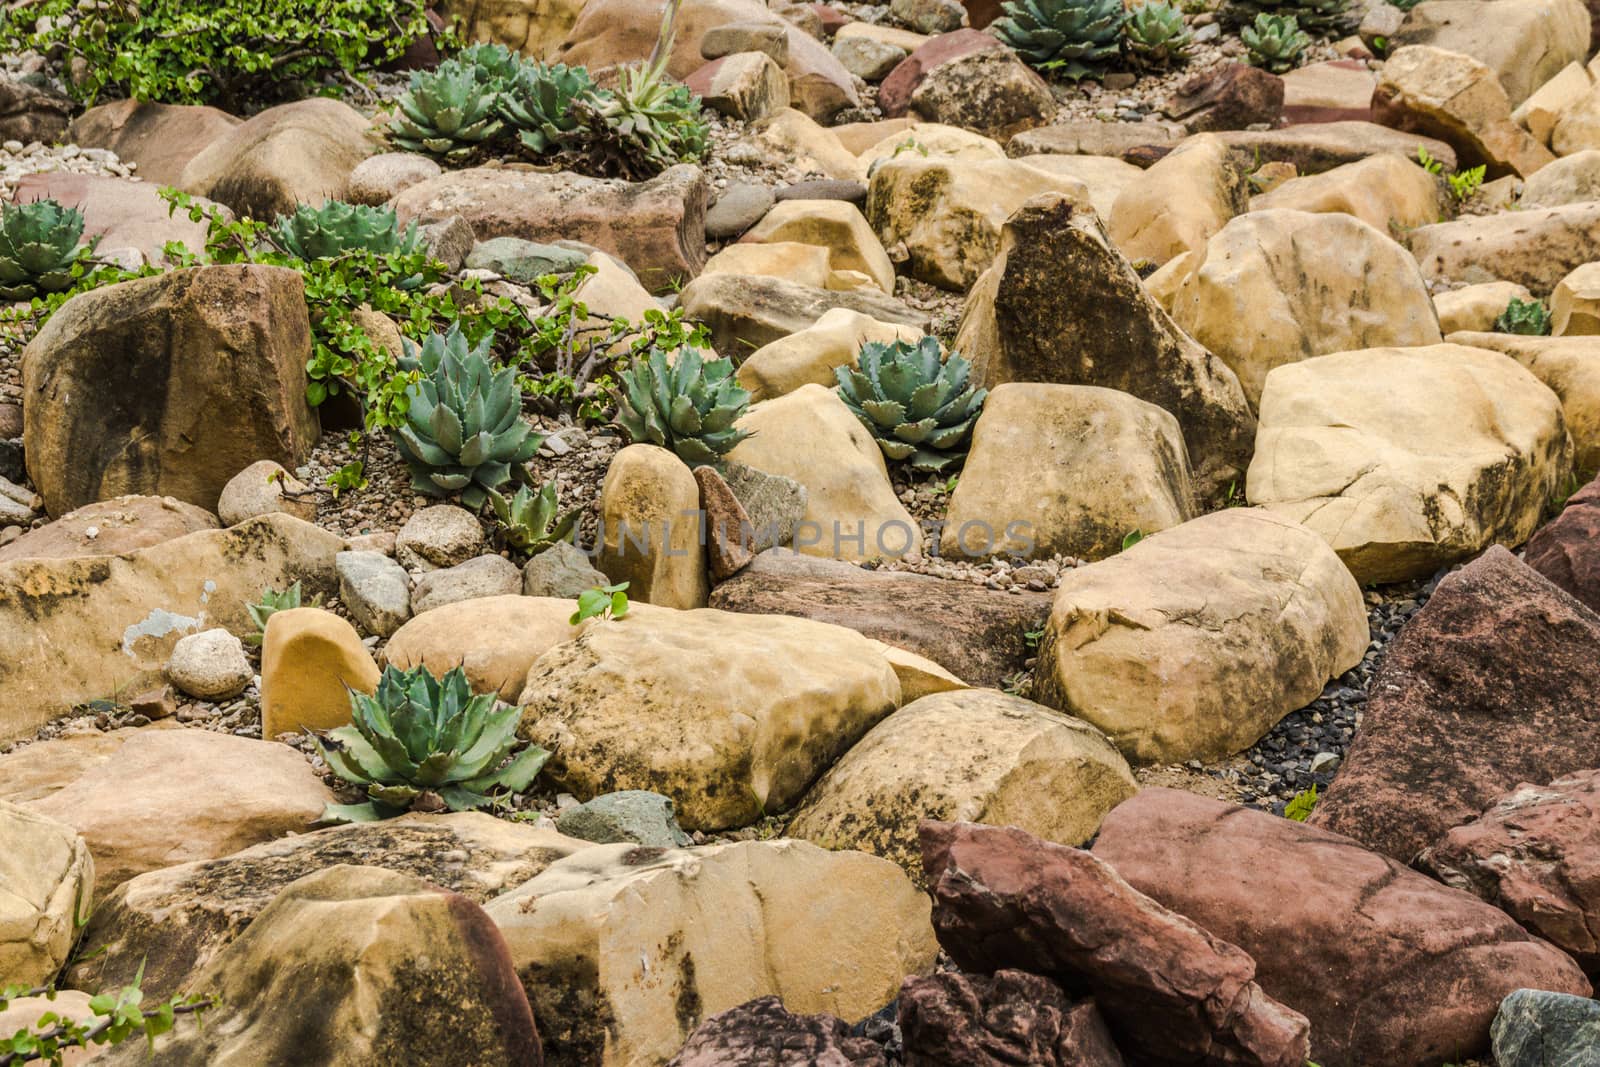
(464, 427)
(1326, 18)
(1155, 37)
(270, 604)
(528, 520)
(1527, 317)
(689, 405)
(39, 244)
(1274, 42)
(335, 228)
(539, 104)
(419, 738)
(918, 407)
(1072, 37)
(449, 112)
(494, 63)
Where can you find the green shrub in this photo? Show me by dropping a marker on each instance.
(114, 1016)
(1074, 38)
(1526, 317)
(603, 601)
(918, 407)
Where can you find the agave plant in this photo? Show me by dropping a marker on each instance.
(270, 604)
(528, 520)
(495, 65)
(918, 407)
(335, 228)
(464, 428)
(1274, 42)
(419, 738)
(1527, 317)
(1072, 37)
(1155, 37)
(1326, 18)
(540, 104)
(39, 244)
(449, 112)
(689, 406)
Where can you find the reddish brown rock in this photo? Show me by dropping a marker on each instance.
(896, 90)
(28, 113)
(121, 212)
(728, 548)
(1492, 683)
(1229, 97)
(110, 528)
(1535, 855)
(763, 1034)
(1567, 549)
(1012, 1018)
(1340, 933)
(159, 138)
(989, 91)
(1170, 991)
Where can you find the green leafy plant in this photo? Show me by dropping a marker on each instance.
(1427, 162)
(689, 405)
(113, 1018)
(427, 743)
(1527, 317)
(528, 520)
(1073, 38)
(603, 601)
(40, 244)
(1301, 805)
(1274, 42)
(450, 112)
(539, 104)
(335, 228)
(1155, 36)
(919, 408)
(463, 431)
(270, 604)
(1464, 184)
(1325, 18)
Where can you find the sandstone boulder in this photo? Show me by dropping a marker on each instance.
(1535, 248)
(160, 139)
(1572, 179)
(494, 639)
(834, 225)
(902, 83)
(110, 528)
(1575, 303)
(121, 212)
(747, 311)
(441, 535)
(310, 661)
(745, 86)
(745, 1036)
(533, 27)
(1566, 550)
(1388, 193)
(1525, 43)
(650, 522)
(809, 356)
(31, 113)
(46, 894)
(1178, 203)
(1475, 308)
(262, 488)
(990, 90)
(1541, 112)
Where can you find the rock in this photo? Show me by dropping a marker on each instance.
(363, 942)
(1534, 248)
(160, 139)
(1006, 900)
(175, 921)
(650, 528)
(533, 27)
(1562, 550)
(49, 878)
(900, 137)
(907, 41)
(108, 624)
(449, 240)
(378, 179)
(774, 504)
(1575, 303)
(634, 816)
(375, 590)
(36, 770)
(263, 488)
(232, 341)
(1089, 137)
(1577, 128)
(1569, 180)
(834, 225)
(813, 147)
(1336, 91)
(930, 16)
(1022, 325)
(746, 710)
(210, 665)
(809, 356)
(975, 755)
(1179, 203)
(1456, 98)
(1535, 1028)
(1194, 642)
(716, 926)
(1526, 44)
(29, 113)
(1229, 97)
(902, 83)
(1388, 193)
(482, 576)
(726, 530)
(769, 38)
(747, 1035)
(494, 639)
(803, 264)
(657, 226)
(1570, 367)
(745, 312)
(851, 511)
(1258, 299)
(1102, 176)
(1312, 148)
(950, 1017)
(441, 535)
(1066, 470)
(1456, 450)
(1373, 935)
(110, 528)
(738, 208)
(122, 212)
(746, 86)
(310, 661)
(868, 59)
(1476, 307)
(1540, 112)
(176, 796)
(561, 571)
(991, 91)
(523, 261)
(298, 153)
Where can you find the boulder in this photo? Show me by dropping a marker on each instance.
(160, 139)
(561, 571)
(29, 113)
(375, 590)
(736, 209)
(479, 577)
(831, 932)
(728, 535)
(1525, 43)
(790, 260)
(633, 816)
(868, 59)
(48, 879)
(121, 212)
(71, 1004)
(535, 28)
(790, 134)
(1260, 295)
(651, 528)
(745, 86)
(809, 356)
(1373, 935)
(524, 262)
(231, 341)
(110, 528)
(494, 639)
(1091, 137)
(1496, 662)
(1228, 97)
(975, 755)
(1103, 176)
(745, 1036)
(763, 37)
(1386, 192)
(1569, 180)
(999, 1020)
(1475, 308)
(1066, 470)
(210, 665)
(901, 84)
(1339, 90)
(1575, 303)
(745, 711)
(1541, 111)
(263, 488)
(311, 660)
(834, 225)
(40, 768)
(1194, 642)
(378, 179)
(1535, 248)
(441, 535)
(1179, 203)
(1535, 1028)
(990, 90)
(746, 311)
(1409, 459)
(1564, 549)
(1312, 148)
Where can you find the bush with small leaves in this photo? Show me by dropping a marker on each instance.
(114, 1017)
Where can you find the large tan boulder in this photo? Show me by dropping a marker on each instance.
(110, 528)
(535, 28)
(1534, 248)
(851, 509)
(77, 629)
(299, 153)
(1408, 459)
(835, 225)
(160, 139)
(494, 639)
(1456, 98)
(1525, 42)
(176, 796)
(732, 716)
(745, 86)
(121, 212)
(1577, 128)
(1193, 643)
(975, 755)
(650, 525)
(907, 136)
(1571, 179)
(809, 356)
(1387, 192)
(745, 311)
(1575, 303)
(1540, 112)
(1278, 286)
(790, 260)
(1177, 204)
(795, 135)
(1476, 307)
(623, 951)
(1066, 470)
(46, 895)
(1104, 176)
(168, 386)
(311, 660)
(38, 769)
(1570, 366)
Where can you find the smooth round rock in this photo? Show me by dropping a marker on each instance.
(210, 665)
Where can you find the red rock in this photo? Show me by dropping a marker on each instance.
(1491, 684)
(121, 212)
(763, 1034)
(1567, 549)
(160, 138)
(894, 92)
(1339, 90)
(1390, 967)
(1012, 1018)
(727, 548)
(981, 13)
(1229, 97)
(989, 91)
(1170, 991)
(832, 19)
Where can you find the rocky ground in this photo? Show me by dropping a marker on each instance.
(1212, 687)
